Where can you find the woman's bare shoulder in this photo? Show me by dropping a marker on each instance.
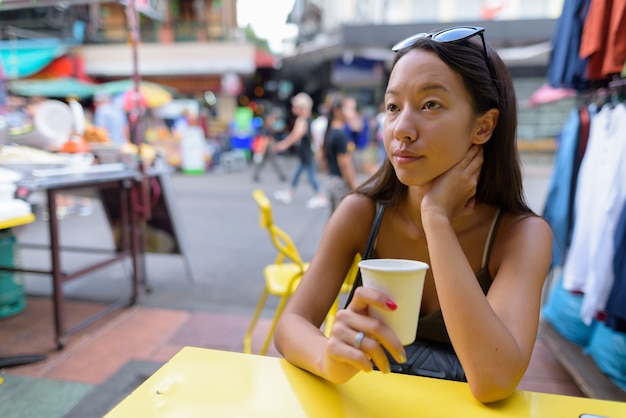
(352, 218)
(525, 236)
(357, 209)
(526, 224)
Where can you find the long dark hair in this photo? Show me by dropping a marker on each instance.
(490, 86)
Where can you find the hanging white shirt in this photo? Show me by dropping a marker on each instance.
(600, 195)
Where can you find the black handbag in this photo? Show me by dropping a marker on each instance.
(424, 357)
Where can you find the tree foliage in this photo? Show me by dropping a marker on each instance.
(253, 38)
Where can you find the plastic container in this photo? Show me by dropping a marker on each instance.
(14, 208)
(193, 150)
(7, 191)
(244, 143)
(12, 294)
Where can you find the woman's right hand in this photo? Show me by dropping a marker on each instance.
(342, 359)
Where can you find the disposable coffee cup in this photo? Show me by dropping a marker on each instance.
(403, 282)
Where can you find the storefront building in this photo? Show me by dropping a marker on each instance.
(188, 45)
(346, 46)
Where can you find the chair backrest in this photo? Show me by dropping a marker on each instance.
(281, 240)
(354, 269)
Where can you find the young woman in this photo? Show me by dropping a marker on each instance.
(452, 191)
(337, 156)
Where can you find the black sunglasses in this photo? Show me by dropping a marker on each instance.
(455, 34)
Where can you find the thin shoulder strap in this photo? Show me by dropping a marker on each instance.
(380, 210)
(491, 237)
(374, 231)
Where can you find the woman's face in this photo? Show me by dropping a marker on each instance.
(429, 118)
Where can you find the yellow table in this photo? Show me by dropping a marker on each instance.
(22, 220)
(199, 382)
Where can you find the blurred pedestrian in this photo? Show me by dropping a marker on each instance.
(263, 146)
(355, 123)
(301, 134)
(319, 126)
(111, 117)
(337, 155)
(381, 154)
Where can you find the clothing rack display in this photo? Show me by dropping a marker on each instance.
(585, 311)
(588, 44)
(586, 208)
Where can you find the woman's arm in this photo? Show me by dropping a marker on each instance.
(298, 337)
(493, 336)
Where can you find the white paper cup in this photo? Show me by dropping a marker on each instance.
(403, 282)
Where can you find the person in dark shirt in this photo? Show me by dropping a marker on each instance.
(337, 156)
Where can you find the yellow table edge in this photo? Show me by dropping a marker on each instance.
(209, 382)
(22, 220)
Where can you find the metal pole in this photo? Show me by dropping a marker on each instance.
(135, 111)
(143, 208)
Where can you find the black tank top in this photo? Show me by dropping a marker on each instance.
(432, 326)
(305, 150)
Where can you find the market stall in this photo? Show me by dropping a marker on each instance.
(13, 213)
(136, 197)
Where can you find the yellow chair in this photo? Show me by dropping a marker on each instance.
(283, 276)
(346, 286)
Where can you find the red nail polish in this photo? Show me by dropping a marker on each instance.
(391, 304)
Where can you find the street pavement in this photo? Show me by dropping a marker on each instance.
(226, 247)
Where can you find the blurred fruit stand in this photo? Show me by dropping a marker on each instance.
(130, 180)
(57, 150)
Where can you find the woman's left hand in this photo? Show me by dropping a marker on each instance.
(453, 193)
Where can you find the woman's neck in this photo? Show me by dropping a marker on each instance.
(412, 210)
(412, 206)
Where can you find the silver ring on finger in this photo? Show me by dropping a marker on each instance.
(358, 340)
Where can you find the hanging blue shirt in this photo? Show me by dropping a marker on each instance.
(616, 306)
(566, 68)
(557, 208)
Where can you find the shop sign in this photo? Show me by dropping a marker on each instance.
(189, 84)
(357, 71)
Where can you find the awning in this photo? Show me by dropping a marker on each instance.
(162, 60)
(264, 59)
(54, 88)
(22, 58)
(61, 67)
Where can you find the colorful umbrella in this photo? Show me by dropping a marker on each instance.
(151, 94)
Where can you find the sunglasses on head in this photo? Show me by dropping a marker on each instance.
(450, 35)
